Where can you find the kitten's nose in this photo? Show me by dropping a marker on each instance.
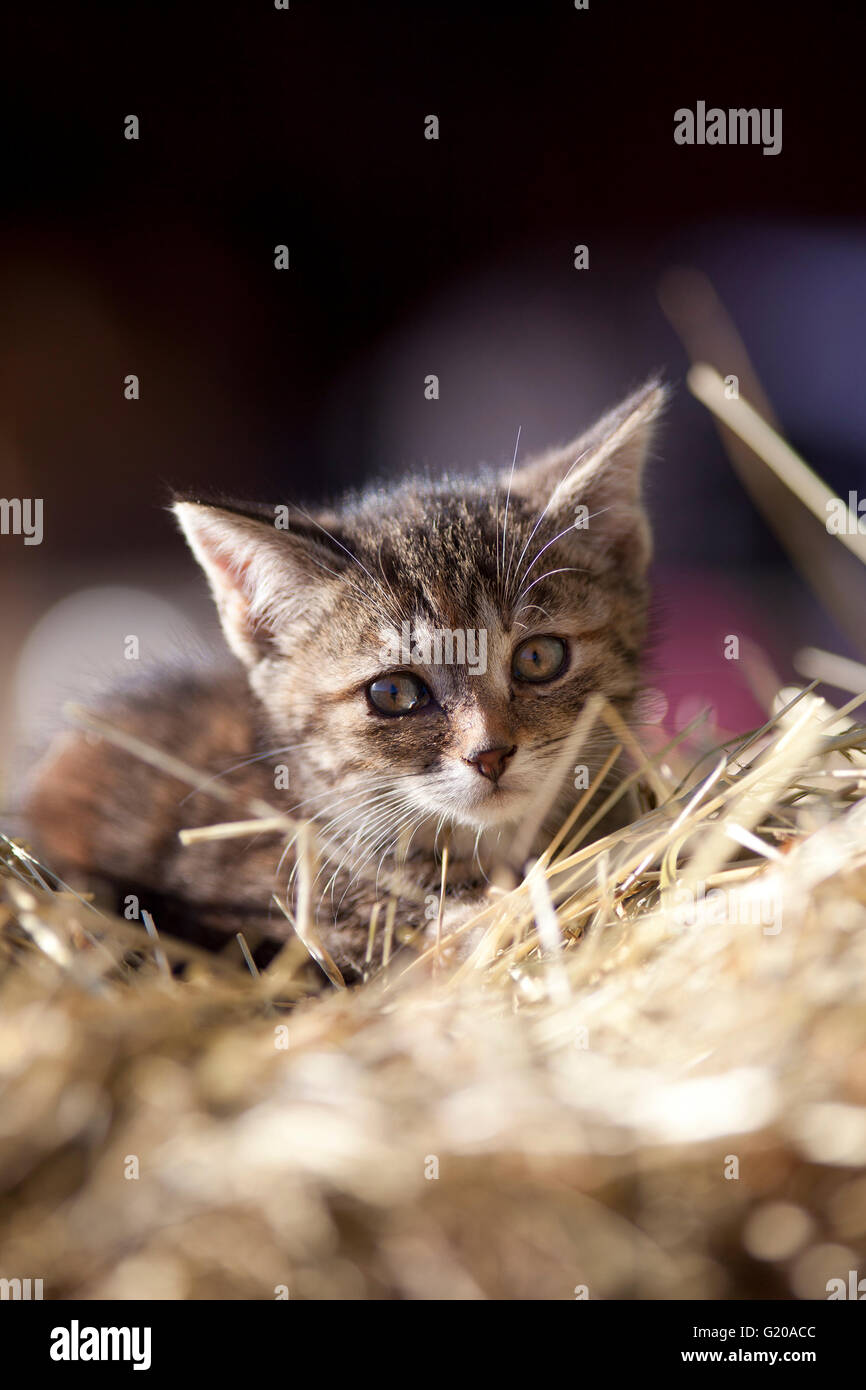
(490, 762)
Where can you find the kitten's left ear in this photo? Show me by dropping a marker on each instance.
(601, 470)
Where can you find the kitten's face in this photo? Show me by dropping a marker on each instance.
(427, 649)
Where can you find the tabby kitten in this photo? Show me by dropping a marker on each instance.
(411, 663)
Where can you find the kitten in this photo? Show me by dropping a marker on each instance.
(411, 663)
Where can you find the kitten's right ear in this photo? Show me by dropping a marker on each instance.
(601, 470)
(264, 580)
(609, 457)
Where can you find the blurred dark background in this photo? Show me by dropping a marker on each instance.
(410, 257)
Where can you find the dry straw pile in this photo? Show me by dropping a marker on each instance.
(648, 1079)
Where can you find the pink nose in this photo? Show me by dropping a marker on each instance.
(490, 762)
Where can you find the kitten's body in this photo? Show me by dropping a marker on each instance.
(106, 817)
(307, 611)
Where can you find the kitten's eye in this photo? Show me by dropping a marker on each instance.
(398, 694)
(539, 659)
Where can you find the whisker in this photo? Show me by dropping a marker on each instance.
(539, 553)
(543, 514)
(507, 501)
(350, 554)
(564, 569)
(245, 762)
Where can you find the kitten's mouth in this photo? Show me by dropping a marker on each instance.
(488, 803)
(476, 802)
(500, 810)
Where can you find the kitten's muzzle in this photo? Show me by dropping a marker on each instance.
(490, 762)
